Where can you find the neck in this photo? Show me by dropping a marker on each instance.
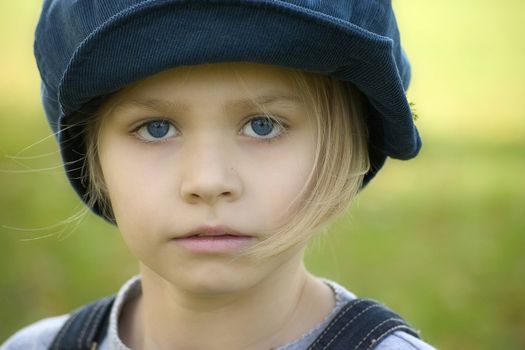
(275, 311)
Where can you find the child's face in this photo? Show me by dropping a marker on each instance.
(187, 148)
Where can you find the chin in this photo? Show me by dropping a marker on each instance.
(215, 280)
(210, 277)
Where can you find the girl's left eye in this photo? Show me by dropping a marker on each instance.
(264, 128)
(156, 130)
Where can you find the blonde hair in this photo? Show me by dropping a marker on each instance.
(341, 161)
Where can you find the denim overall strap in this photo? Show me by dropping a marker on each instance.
(360, 325)
(86, 327)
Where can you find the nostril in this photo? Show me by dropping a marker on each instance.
(210, 187)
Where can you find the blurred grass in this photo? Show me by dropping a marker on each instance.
(439, 238)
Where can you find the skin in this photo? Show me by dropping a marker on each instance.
(210, 169)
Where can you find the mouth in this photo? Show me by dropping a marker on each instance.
(213, 239)
(213, 231)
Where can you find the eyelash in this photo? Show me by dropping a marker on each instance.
(276, 122)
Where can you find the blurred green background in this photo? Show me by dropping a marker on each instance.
(440, 239)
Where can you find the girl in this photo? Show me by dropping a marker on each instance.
(219, 136)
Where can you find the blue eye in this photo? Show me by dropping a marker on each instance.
(264, 128)
(156, 130)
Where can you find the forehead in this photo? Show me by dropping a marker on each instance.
(213, 81)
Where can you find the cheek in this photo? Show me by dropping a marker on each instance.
(278, 183)
(134, 187)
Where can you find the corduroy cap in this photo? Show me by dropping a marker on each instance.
(89, 49)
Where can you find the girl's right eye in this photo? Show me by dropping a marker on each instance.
(156, 130)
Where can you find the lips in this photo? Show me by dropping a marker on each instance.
(213, 239)
(213, 231)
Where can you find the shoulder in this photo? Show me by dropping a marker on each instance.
(37, 336)
(402, 341)
(397, 340)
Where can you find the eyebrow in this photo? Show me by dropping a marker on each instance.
(261, 100)
(245, 103)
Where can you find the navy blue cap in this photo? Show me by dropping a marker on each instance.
(89, 49)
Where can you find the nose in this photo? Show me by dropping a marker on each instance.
(209, 175)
